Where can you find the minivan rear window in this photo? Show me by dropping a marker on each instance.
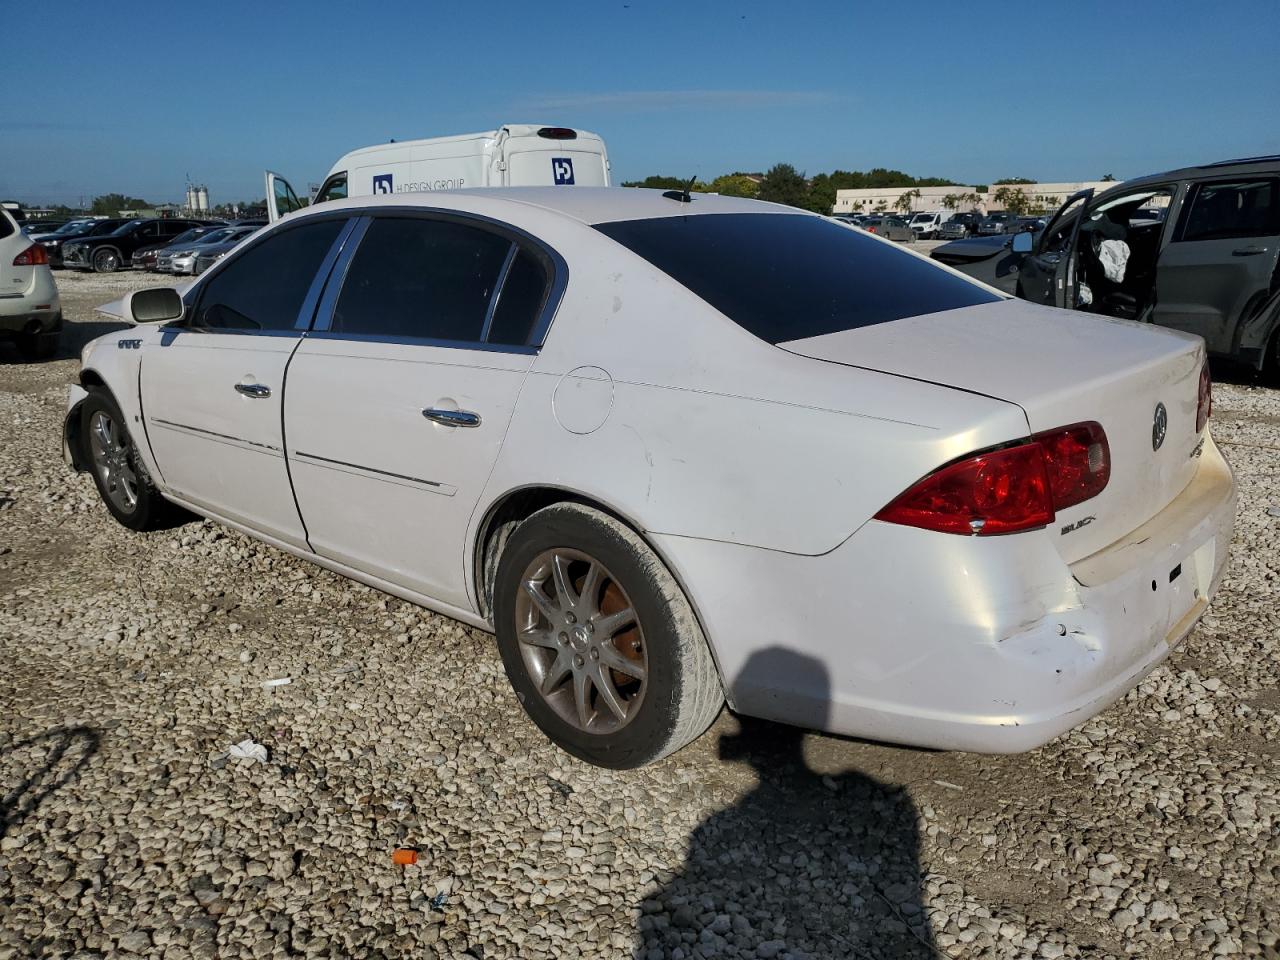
(789, 276)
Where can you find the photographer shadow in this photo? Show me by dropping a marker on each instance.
(804, 865)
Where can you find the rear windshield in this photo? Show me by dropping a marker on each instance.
(788, 276)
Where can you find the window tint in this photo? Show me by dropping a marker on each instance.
(263, 289)
(520, 302)
(1242, 209)
(430, 279)
(789, 276)
(6, 225)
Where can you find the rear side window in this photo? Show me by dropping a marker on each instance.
(263, 289)
(6, 225)
(788, 276)
(1224, 210)
(421, 279)
(520, 302)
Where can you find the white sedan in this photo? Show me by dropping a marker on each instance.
(678, 451)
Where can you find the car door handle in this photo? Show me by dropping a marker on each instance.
(1248, 251)
(256, 390)
(452, 418)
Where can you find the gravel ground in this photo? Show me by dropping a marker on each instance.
(132, 662)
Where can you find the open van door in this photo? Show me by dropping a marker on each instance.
(281, 199)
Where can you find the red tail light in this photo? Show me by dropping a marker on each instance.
(1010, 489)
(871, 229)
(1204, 401)
(34, 256)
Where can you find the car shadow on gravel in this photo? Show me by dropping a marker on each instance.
(32, 770)
(804, 865)
(74, 337)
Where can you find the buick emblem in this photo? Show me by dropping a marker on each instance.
(1159, 426)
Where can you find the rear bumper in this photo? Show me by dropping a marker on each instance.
(37, 310)
(993, 645)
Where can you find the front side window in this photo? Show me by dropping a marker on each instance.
(1219, 211)
(421, 279)
(787, 277)
(263, 289)
(335, 188)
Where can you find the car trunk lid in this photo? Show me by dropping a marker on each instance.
(1061, 368)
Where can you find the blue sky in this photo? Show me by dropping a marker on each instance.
(969, 91)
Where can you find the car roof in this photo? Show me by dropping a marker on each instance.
(589, 205)
(1245, 166)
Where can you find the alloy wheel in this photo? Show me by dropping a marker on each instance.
(581, 641)
(113, 460)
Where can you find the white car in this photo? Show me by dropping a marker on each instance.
(681, 450)
(30, 311)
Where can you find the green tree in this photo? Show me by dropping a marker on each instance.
(906, 200)
(1014, 180)
(1108, 178)
(110, 204)
(784, 184)
(1012, 199)
(665, 183)
(734, 185)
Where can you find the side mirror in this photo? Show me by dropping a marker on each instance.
(1022, 243)
(156, 305)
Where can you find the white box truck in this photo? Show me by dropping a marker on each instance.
(514, 155)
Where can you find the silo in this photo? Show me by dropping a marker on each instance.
(202, 199)
(191, 199)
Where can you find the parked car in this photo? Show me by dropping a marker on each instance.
(30, 311)
(1201, 249)
(54, 242)
(207, 256)
(997, 223)
(902, 505)
(891, 228)
(926, 225)
(64, 230)
(34, 228)
(147, 258)
(960, 225)
(188, 242)
(106, 254)
(183, 262)
(1029, 225)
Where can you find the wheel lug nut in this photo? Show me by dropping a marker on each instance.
(563, 638)
(595, 653)
(578, 661)
(570, 618)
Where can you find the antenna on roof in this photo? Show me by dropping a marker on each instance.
(683, 196)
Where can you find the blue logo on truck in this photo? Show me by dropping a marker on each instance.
(382, 183)
(562, 171)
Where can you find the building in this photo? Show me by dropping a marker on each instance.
(1047, 196)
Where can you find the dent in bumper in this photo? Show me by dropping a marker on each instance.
(993, 645)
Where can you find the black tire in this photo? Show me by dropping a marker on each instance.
(682, 694)
(149, 510)
(38, 346)
(106, 260)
